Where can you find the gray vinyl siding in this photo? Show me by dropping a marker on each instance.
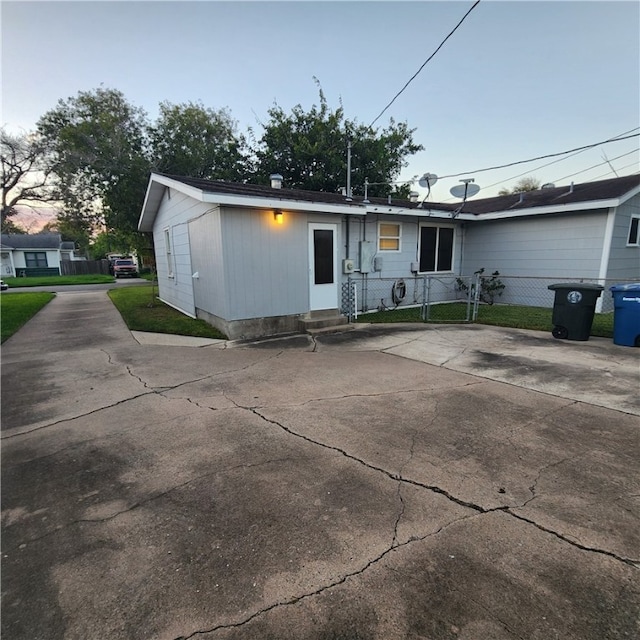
(557, 245)
(624, 261)
(207, 260)
(173, 214)
(266, 264)
(374, 287)
(397, 264)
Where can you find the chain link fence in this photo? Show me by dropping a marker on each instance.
(441, 298)
(530, 291)
(449, 298)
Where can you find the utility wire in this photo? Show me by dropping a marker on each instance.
(549, 155)
(604, 175)
(595, 166)
(425, 63)
(548, 164)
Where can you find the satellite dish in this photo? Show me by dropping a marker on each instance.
(548, 185)
(466, 190)
(428, 180)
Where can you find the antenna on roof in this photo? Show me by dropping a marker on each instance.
(466, 190)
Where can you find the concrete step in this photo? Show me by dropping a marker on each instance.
(313, 323)
(338, 328)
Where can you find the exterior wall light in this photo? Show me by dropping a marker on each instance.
(278, 216)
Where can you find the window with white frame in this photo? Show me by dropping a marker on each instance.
(633, 238)
(168, 252)
(436, 248)
(389, 236)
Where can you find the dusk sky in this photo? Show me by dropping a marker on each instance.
(517, 80)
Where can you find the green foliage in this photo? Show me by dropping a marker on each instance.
(141, 311)
(51, 281)
(193, 140)
(98, 141)
(490, 286)
(16, 309)
(101, 149)
(500, 315)
(309, 148)
(528, 183)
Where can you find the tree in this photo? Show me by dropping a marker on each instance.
(192, 140)
(528, 183)
(100, 160)
(26, 175)
(309, 148)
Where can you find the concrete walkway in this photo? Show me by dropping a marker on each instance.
(449, 482)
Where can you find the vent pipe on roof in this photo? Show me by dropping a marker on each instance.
(276, 181)
(413, 196)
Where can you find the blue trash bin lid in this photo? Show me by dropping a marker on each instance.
(632, 286)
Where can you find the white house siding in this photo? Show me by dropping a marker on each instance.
(266, 263)
(53, 258)
(624, 261)
(173, 214)
(374, 286)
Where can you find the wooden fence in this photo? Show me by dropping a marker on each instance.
(84, 267)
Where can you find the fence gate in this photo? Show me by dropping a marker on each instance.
(450, 298)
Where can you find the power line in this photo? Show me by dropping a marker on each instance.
(549, 155)
(425, 63)
(595, 166)
(604, 175)
(548, 164)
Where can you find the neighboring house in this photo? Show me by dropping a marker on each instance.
(255, 260)
(34, 255)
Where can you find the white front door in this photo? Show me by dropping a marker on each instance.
(323, 266)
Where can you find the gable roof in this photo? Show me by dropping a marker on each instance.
(33, 241)
(589, 195)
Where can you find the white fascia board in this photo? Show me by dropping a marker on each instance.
(538, 211)
(257, 202)
(380, 210)
(634, 192)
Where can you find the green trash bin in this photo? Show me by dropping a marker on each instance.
(573, 309)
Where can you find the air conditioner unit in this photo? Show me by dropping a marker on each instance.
(348, 266)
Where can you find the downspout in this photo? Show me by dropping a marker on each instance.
(606, 252)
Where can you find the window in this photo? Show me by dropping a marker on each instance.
(436, 249)
(35, 258)
(389, 234)
(167, 249)
(634, 231)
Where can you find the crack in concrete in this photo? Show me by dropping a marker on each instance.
(632, 562)
(147, 500)
(533, 487)
(296, 599)
(493, 615)
(152, 390)
(463, 503)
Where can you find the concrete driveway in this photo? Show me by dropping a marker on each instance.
(397, 482)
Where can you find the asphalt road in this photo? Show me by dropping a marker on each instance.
(80, 288)
(425, 483)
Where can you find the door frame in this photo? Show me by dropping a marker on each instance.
(323, 296)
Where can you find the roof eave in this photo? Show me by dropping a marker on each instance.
(556, 208)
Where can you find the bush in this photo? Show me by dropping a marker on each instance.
(490, 287)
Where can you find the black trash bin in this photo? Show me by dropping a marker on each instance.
(573, 309)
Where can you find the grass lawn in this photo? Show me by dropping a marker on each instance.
(142, 311)
(17, 308)
(500, 315)
(45, 281)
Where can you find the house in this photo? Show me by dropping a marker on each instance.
(256, 260)
(34, 255)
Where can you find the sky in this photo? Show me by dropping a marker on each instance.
(517, 79)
